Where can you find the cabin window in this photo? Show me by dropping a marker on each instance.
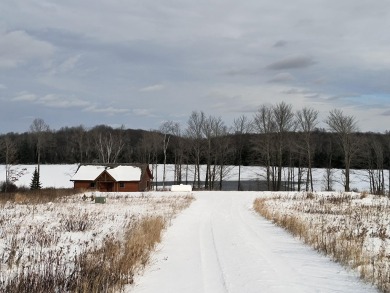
(92, 185)
(121, 184)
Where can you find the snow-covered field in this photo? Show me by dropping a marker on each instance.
(218, 244)
(352, 228)
(51, 236)
(59, 176)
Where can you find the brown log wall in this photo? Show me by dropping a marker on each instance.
(103, 187)
(129, 187)
(83, 185)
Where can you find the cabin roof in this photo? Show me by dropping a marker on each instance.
(118, 172)
(87, 173)
(125, 173)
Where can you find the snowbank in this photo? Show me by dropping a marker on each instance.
(182, 188)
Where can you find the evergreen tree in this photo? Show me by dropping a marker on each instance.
(35, 183)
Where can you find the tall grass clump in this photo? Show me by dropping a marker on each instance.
(111, 267)
(350, 228)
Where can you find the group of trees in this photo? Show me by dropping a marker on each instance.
(275, 137)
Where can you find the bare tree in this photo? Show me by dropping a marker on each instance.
(149, 148)
(9, 151)
(194, 132)
(212, 128)
(378, 178)
(241, 127)
(223, 150)
(168, 129)
(207, 133)
(293, 155)
(39, 130)
(307, 121)
(284, 122)
(373, 158)
(329, 172)
(345, 128)
(216, 155)
(264, 125)
(108, 143)
(80, 141)
(179, 150)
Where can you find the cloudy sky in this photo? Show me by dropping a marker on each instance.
(139, 63)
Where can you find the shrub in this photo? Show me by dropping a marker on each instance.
(10, 187)
(77, 222)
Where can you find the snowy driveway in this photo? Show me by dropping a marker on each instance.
(219, 244)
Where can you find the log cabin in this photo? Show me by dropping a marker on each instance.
(113, 178)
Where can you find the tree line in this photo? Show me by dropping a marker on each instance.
(275, 138)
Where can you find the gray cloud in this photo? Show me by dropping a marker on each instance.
(51, 100)
(282, 77)
(280, 43)
(144, 112)
(69, 64)
(152, 88)
(242, 72)
(295, 62)
(17, 47)
(108, 110)
(25, 97)
(342, 97)
(55, 101)
(295, 91)
(386, 113)
(313, 96)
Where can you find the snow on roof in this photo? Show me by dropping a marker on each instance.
(119, 173)
(88, 173)
(125, 173)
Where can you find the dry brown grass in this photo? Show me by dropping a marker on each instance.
(36, 260)
(36, 196)
(339, 227)
(106, 269)
(110, 268)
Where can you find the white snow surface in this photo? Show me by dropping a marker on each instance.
(57, 176)
(119, 173)
(219, 244)
(181, 188)
(125, 173)
(88, 172)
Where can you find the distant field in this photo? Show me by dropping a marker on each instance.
(59, 176)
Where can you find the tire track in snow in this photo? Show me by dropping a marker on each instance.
(250, 269)
(212, 272)
(276, 275)
(298, 267)
(256, 256)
